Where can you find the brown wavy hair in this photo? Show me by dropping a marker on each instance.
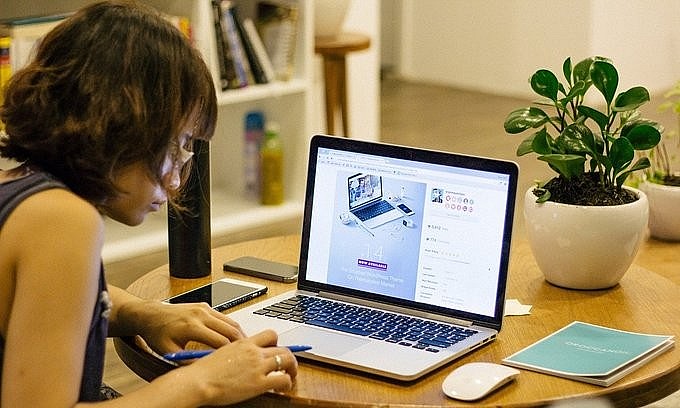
(112, 85)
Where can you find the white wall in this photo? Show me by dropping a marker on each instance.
(363, 76)
(495, 46)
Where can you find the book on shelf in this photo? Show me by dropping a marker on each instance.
(276, 23)
(256, 68)
(589, 353)
(25, 33)
(241, 63)
(226, 66)
(236, 68)
(5, 68)
(259, 49)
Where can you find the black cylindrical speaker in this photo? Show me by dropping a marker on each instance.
(189, 227)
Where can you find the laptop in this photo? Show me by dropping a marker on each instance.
(366, 203)
(405, 298)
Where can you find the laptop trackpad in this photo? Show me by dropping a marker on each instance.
(323, 342)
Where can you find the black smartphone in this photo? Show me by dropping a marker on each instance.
(221, 294)
(405, 209)
(262, 268)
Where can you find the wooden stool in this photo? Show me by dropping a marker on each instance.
(334, 50)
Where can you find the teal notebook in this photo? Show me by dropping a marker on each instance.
(589, 353)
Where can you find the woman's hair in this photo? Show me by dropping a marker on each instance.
(112, 85)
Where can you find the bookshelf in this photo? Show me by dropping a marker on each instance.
(289, 103)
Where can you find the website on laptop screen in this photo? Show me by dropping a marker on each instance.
(446, 248)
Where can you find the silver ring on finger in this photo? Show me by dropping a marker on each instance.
(279, 362)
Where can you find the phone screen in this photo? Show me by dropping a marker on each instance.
(220, 294)
(404, 208)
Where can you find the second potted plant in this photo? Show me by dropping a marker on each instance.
(584, 225)
(661, 183)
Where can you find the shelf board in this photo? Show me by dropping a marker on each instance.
(258, 92)
(227, 216)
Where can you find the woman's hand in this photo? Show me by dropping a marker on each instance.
(169, 327)
(244, 369)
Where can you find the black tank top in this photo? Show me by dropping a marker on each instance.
(12, 193)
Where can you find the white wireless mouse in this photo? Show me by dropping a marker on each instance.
(473, 381)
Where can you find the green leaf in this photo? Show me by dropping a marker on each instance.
(566, 69)
(642, 135)
(526, 146)
(545, 83)
(631, 99)
(542, 142)
(582, 71)
(601, 160)
(576, 91)
(524, 118)
(621, 154)
(641, 164)
(579, 89)
(598, 117)
(577, 138)
(544, 196)
(567, 165)
(605, 78)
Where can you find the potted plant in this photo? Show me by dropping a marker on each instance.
(584, 226)
(660, 181)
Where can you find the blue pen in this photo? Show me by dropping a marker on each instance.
(191, 354)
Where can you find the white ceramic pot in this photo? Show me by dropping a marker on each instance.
(583, 247)
(664, 202)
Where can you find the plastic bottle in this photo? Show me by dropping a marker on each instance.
(271, 166)
(254, 133)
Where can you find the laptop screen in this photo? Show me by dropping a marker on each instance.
(363, 188)
(447, 253)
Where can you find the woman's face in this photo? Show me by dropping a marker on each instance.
(140, 193)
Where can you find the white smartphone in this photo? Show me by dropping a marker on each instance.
(262, 268)
(221, 294)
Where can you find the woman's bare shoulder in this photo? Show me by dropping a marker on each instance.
(55, 212)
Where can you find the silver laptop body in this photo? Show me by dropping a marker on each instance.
(440, 269)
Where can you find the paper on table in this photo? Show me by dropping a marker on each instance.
(514, 308)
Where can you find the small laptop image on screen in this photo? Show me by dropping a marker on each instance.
(366, 203)
(424, 288)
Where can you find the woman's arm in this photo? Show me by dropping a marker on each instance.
(55, 292)
(169, 327)
(54, 244)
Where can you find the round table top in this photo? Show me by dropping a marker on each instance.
(643, 301)
(341, 44)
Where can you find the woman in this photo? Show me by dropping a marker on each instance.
(102, 120)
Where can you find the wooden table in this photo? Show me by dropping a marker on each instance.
(644, 301)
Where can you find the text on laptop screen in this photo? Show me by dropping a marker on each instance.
(444, 250)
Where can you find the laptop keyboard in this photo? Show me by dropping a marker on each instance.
(376, 324)
(372, 211)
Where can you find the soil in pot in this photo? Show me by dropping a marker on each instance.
(587, 190)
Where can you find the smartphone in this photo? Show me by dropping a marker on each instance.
(262, 268)
(221, 294)
(405, 209)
